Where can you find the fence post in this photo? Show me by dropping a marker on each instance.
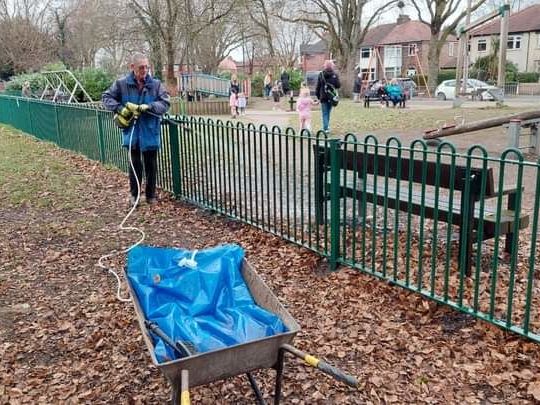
(174, 143)
(57, 126)
(514, 131)
(334, 202)
(101, 138)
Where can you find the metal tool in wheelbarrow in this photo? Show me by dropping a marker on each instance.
(225, 317)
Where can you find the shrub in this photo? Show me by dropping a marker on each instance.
(447, 74)
(295, 79)
(37, 83)
(257, 82)
(95, 82)
(527, 77)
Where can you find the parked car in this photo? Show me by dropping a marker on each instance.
(475, 88)
(409, 87)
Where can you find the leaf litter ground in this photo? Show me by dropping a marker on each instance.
(64, 338)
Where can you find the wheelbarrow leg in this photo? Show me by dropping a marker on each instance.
(279, 376)
(256, 389)
(180, 393)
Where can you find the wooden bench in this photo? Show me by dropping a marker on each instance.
(451, 177)
(371, 97)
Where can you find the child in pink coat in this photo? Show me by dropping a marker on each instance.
(303, 106)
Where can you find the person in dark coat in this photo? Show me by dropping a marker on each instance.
(139, 101)
(285, 83)
(327, 75)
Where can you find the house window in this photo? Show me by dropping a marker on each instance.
(365, 53)
(482, 45)
(451, 49)
(368, 76)
(537, 65)
(514, 42)
(391, 72)
(538, 39)
(392, 56)
(412, 49)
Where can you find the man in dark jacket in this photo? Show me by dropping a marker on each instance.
(328, 75)
(284, 78)
(139, 101)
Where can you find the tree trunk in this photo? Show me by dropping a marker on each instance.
(157, 59)
(170, 79)
(347, 76)
(433, 63)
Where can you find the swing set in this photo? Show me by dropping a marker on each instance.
(375, 56)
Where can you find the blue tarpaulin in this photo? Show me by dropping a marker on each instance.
(207, 307)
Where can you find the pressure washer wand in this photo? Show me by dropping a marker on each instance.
(177, 346)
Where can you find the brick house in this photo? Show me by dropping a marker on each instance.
(388, 50)
(401, 49)
(312, 56)
(523, 46)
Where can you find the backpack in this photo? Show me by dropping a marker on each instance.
(330, 91)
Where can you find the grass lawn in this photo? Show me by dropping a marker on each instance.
(30, 172)
(353, 117)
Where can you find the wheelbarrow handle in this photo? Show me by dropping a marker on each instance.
(323, 366)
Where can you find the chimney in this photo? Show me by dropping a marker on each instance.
(403, 18)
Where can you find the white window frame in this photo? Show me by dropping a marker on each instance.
(369, 51)
(392, 56)
(371, 75)
(451, 48)
(514, 40)
(392, 71)
(413, 49)
(481, 42)
(538, 40)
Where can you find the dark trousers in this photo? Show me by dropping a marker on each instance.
(150, 168)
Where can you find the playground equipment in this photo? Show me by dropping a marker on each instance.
(463, 36)
(455, 129)
(513, 129)
(375, 57)
(195, 84)
(62, 86)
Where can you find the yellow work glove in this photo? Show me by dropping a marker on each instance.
(137, 108)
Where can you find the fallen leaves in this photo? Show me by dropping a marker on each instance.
(64, 338)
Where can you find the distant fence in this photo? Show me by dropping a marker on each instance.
(522, 89)
(207, 84)
(204, 106)
(271, 179)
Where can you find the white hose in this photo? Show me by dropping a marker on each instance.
(122, 227)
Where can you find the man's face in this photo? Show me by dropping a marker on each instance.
(140, 69)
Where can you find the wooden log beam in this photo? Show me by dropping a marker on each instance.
(478, 125)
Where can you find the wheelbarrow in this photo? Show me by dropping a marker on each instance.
(202, 368)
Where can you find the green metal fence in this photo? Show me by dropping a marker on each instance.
(460, 228)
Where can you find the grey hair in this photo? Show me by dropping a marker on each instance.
(137, 57)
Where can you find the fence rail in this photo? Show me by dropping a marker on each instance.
(313, 191)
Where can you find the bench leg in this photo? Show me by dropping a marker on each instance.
(466, 240)
(510, 240)
(320, 203)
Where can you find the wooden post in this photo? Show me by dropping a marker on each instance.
(466, 49)
(459, 65)
(503, 45)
